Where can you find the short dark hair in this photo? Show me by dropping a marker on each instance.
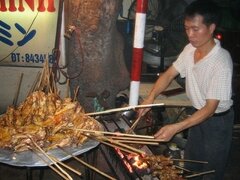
(205, 8)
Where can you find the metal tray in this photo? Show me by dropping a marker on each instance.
(31, 159)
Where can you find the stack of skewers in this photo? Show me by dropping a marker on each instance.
(160, 166)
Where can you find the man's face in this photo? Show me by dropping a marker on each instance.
(198, 33)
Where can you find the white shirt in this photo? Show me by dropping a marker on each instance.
(210, 78)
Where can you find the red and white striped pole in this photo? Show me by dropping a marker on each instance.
(137, 57)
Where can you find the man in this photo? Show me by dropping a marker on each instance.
(207, 68)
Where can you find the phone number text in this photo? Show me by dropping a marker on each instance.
(31, 58)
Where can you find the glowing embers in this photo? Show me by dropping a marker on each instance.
(133, 163)
(163, 167)
(158, 166)
(125, 160)
(139, 163)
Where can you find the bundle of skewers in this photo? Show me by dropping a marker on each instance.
(122, 141)
(58, 166)
(162, 167)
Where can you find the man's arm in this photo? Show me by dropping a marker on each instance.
(161, 84)
(168, 131)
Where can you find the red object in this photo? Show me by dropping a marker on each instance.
(142, 6)
(138, 52)
(136, 64)
(219, 36)
(138, 44)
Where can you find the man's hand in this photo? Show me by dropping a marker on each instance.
(167, 132)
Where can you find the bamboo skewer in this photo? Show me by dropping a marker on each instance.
(140, 139)
(44, 153)
(17, 92)
(68, 88)
(53, 168)
(121, 148)
(119, 144)
(112, 143)
(112, 133)
(182, 168)
(33, 87)
(188, 160)
(76, 93)
(133, 138)
(49, 85)
(88, 165)
(134, 124)
(123, 109)
(54, 85)
(40, 79)
(200, 174)
(66, 166)
(138, 142)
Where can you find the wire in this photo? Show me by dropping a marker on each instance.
(56, 52)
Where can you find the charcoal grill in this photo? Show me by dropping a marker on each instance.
(120, 165)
